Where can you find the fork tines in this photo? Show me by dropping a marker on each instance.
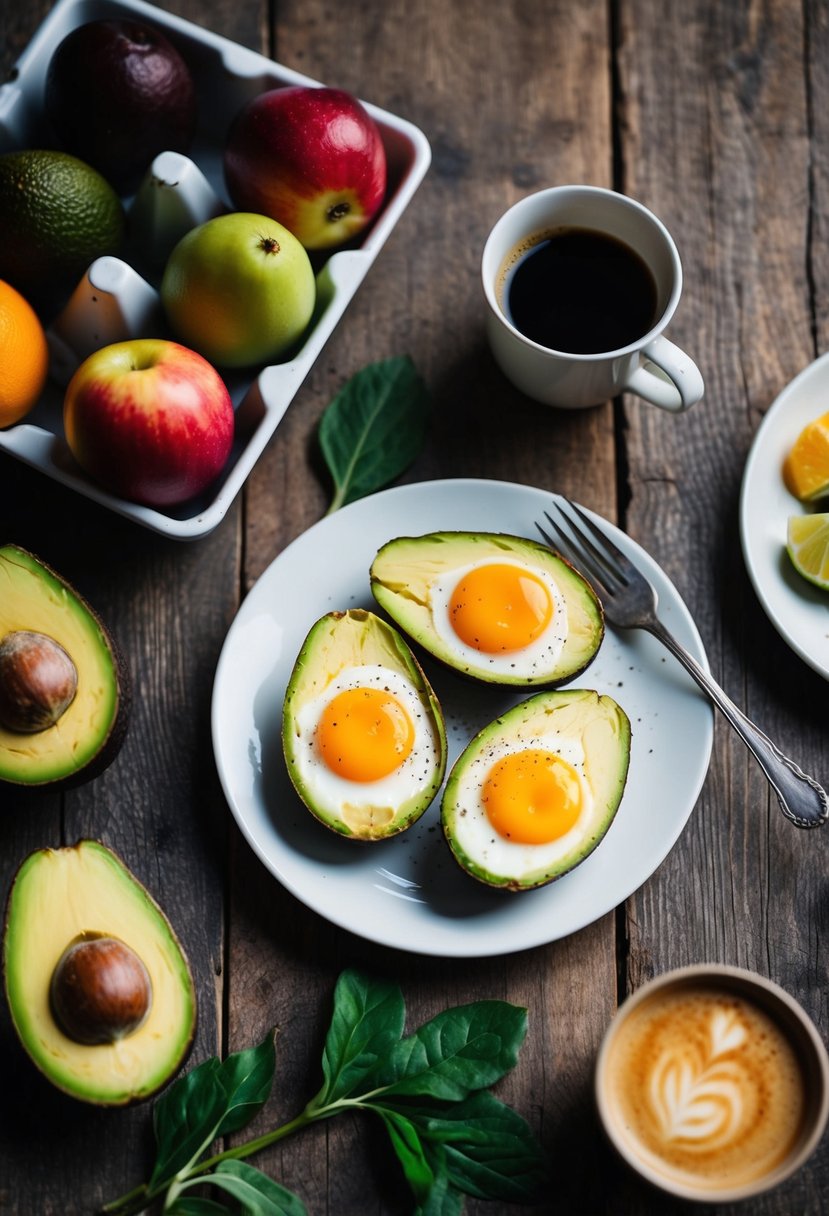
(600, 562)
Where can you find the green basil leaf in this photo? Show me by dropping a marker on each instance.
(367, 1021)
(442, 1200)
(374, 428)
(185, 1119)
(247, 1077)
(257, 1194)
(410, 1152)
(461, 1050)
(215, 1098)
(489, 1151)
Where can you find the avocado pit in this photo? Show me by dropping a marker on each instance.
(38, 681)
(100, 991)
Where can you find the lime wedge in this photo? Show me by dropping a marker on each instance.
(807, 543)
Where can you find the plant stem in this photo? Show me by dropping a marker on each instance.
(140, 1197)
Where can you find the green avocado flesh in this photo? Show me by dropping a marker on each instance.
(406, 580)
(589, 731)
(357, 648)
(59, 895)
(88, 733)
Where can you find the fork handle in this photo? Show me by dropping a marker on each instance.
(802, 799)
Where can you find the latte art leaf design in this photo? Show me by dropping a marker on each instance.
(699, 1100)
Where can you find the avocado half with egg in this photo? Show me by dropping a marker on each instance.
(536, 790)
(500, 609)
(362, 732)
(99, 989)
(64, 687)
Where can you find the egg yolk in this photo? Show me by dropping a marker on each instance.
(364, 734)
(498, 607)
(532, 796)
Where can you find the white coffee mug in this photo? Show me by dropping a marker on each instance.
(651, 366)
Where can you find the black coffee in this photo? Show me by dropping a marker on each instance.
(581, 292)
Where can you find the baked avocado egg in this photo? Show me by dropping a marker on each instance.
(500, 609)
(362, 731)
(535, 791)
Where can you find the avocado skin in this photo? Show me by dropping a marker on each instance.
(571, 701)
(109, 746)
(105, 861)
(404, 567)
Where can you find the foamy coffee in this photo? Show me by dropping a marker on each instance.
(706, 1090)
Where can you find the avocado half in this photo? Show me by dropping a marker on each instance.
(88, 733)
(403, 579)
(62, 896)
(589, 730)
(348, 641)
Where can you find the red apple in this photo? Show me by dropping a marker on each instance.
(117, 93)
(311, 158)
(150, 420)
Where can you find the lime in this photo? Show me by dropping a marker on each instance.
(807, 543)
(57, 215)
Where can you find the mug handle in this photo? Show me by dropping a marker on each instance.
(684, 386)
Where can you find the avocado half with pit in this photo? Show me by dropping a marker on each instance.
(64, 686)
(98, 986)
(535, 791)
(363, 733)
(497, 608)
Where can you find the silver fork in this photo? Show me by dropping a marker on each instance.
(630, 602)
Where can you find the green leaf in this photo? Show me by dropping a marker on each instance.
(367, 1021)
(257, 1194)
(247, 1077)
(461, 1050)
(488, 1150)
(442, 1200)
(374, 428)
(410, 1152)
(215, 1098)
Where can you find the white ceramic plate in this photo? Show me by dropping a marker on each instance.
(408, 892)
(798, 611)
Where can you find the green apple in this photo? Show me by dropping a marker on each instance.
(239, 289)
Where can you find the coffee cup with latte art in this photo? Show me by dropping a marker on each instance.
(713, 1083)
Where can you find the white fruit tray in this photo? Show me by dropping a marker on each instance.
(114, 300)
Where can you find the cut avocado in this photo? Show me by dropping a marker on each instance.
(42, 743)
(62, 897)
(516, 819)
(530, 620)
(362, 732)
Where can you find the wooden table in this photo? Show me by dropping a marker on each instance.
(714, 115)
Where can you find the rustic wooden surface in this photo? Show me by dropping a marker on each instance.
(713, 114)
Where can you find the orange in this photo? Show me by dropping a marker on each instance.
(806, 468)
(24, 356)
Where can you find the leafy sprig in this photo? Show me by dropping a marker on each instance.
(451, 1136)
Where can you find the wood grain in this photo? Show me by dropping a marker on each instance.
(716, 117)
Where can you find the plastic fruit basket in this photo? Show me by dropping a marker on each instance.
(117, 296)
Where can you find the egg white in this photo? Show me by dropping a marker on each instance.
(474, 833)
(330, 792)
(543, 652)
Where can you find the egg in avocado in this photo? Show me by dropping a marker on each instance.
(500, 609)
(362, 732)
(536, 790)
